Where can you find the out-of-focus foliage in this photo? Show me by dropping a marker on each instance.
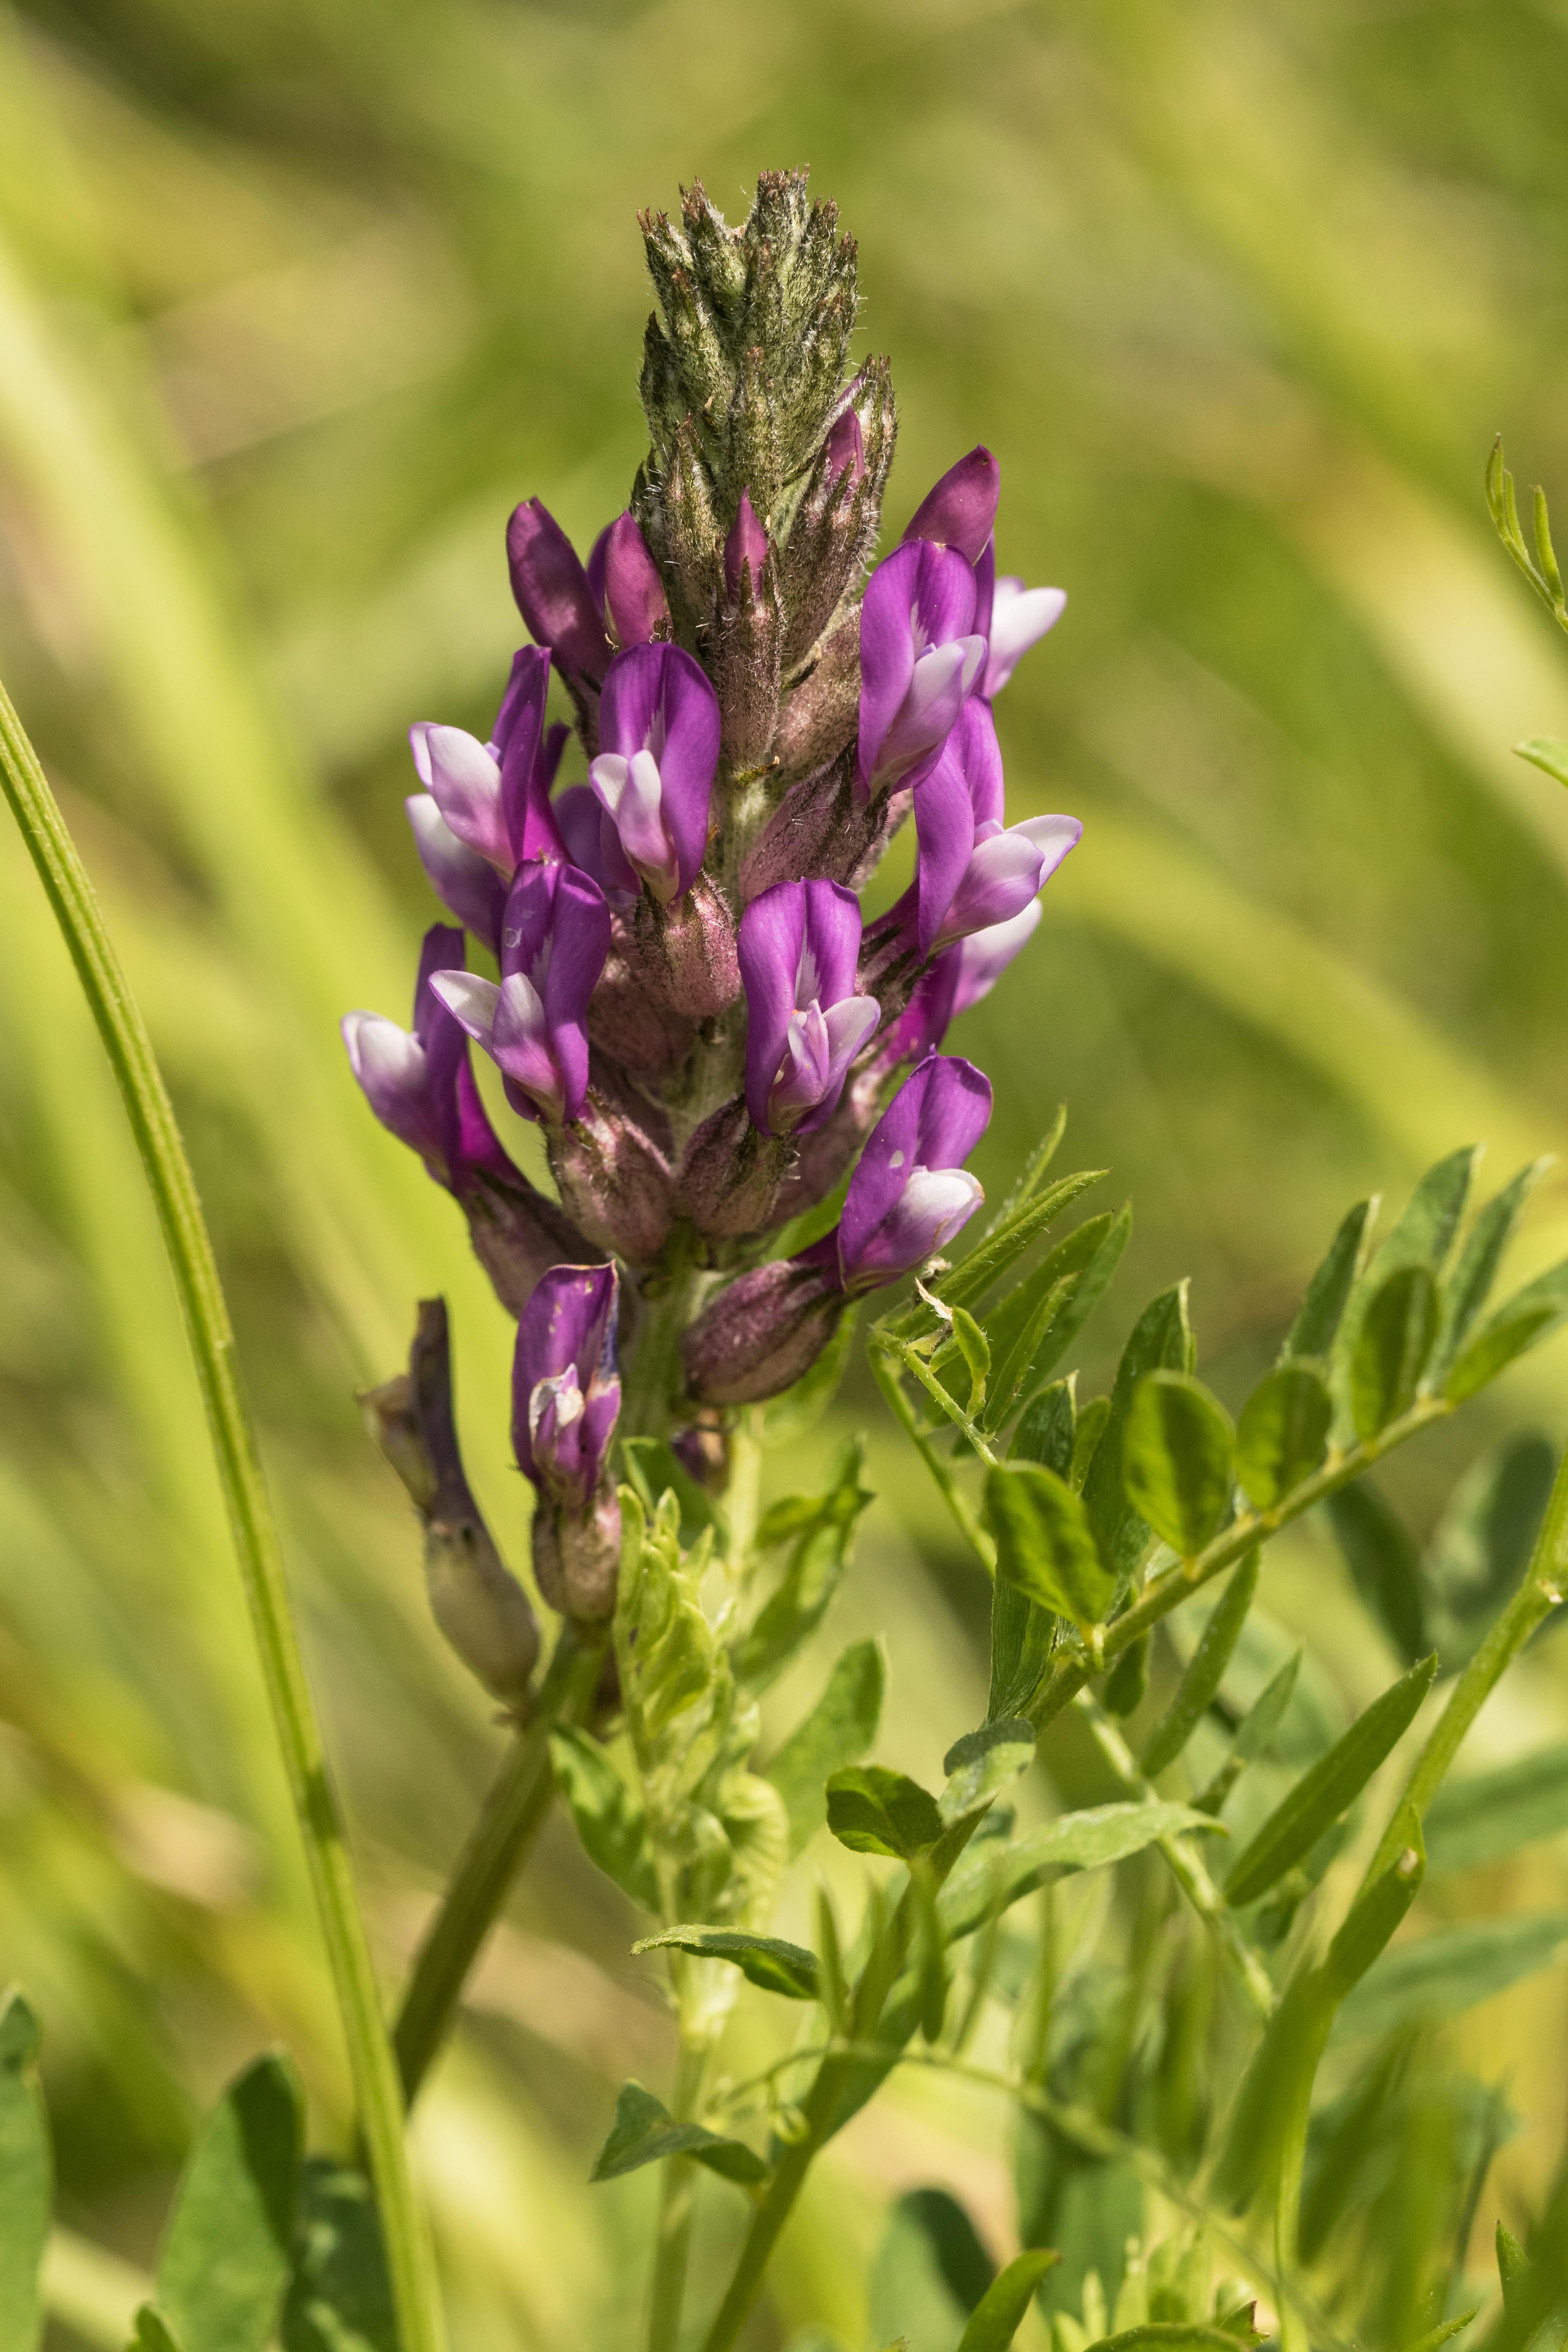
(295, 302)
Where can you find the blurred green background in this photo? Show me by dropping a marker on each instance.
(296, 302)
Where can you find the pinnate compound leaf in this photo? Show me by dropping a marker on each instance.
(608, 1814)
(1044, 1542)
(1383, 1564)
(1330, 1787)
(765, 1960)
(1467, 1289)
(27, 2175)
(981, 1764)
(840, 1730)
(1206, 1671)
(1443, 1974)
(225, 2255)
(1283, 1433)
(999, 2314)
(1178, 1455)
(340, 2297)
(1520, 1323)
(873, 1811)
(644, 2131)
(1313, 1332)
(1161, 1340)
(993, 1873)
(1490, 1815)
(1397, 1333)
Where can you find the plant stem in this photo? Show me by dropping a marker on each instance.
(743, 1497)
(886, 1380)
(513, 1814)
(672, 2247)
(653, 1378)
(410, 2260)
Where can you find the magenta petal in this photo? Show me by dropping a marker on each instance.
(657, 699)
(768, 946)
(887, 653)
(582, 946)
(984, 592)
(954, 1111)
(933, 1123)
(565, 1392)
(746, 548)
(945, 825)
(919, 608)
(467, 884)
(832, 944)
(593, 845)
(465, 784)
(634, 601)
(846, 445)
(551, 591)
(526, 767)
(961, 511)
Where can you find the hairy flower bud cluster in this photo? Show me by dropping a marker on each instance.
(678, 989)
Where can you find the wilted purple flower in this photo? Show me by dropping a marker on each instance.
(555, 935)
(974, 871)
(798, 947)
(1015, 619)
(553, 593)
(745, 550)
(623, 582)
(919, 658)
(565, 1388)
(958, 979)
(659, 735)
(910, 1192)
(961, 511)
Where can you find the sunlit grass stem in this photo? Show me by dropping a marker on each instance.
(169, 1177)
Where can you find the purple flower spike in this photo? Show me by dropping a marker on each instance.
(959, 977)
(911, 1192)
(467, 884)
(919, 658)
(555, 937)
(659, 736)
(746, 548)
(629, 589)
(961, 511)
(974, 871)
(1019, 617)
(553, 593)
(798, 946)
(565, 1388)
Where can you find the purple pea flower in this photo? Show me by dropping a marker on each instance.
(659, 736)
(418, 1082)
(555, 937)
(565, 1388)
(799, 943)
(911, 1192)
(553, 595)
(485, 807)
(961, 509)
(593, 844)
(623, 582)
(1011, 618)
(919, 658)
(974, 871)
(959, 977)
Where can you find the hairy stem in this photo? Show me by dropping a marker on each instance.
(119, 1025)
(653, 1378)
(513, 1814)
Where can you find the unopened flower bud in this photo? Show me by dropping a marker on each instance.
(687, 951)
(577, 1561)
(761, 1332)
(834, 528)
(821, 830)
(478, 1606)
(626, 1022)
(614, 1180)
(819, 715)
(566, 1394)
(627, 586)
(730, 1175)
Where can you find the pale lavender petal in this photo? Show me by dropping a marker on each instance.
(465, 784)
(632, 794)
(895, 1213)
(633, 600)
(390, 1067)
(745, 550)
(944, 826)
(467, 884)
(804, 1072)
(472, 1000)
(980, 961)
(551, 592)
(657, 699)
(521, 1046)
(1020, 617)
(935, 1204)
(961, 511)
(1006, 870)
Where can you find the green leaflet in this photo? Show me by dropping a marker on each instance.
(1383, 1564)
(224, 2257)
(1490, 1815)
(1482, 1544)
(1423, 1233)
(1467, 1291)
(1442, 1974)
(995, 1872)
(999, 2314)
(1332, 1784)
(1206, 1671)
(1178, 1457)
(765, 1960)
(1283, 1433)
(1519, 1323)
(1444, 2332)
(1313, 1332)
(840, 1730)
(981, 1764)
(340, 2298)
(1045, 1543)
(1128, 1682)
(1547, 752)
(644, 2131)
(1161, 1340)
(1046, 1425)
(1398, 1329)
(609, 1815)
(873, 1811)
(930, 2273)
(795, 1608)
(1253, 1734)
(153, 2331)
(1168, 2335)
(27, 2181)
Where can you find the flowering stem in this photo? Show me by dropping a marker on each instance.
(119, 1025)
(513, 1815)
(672, 2247)
(653, 1378)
